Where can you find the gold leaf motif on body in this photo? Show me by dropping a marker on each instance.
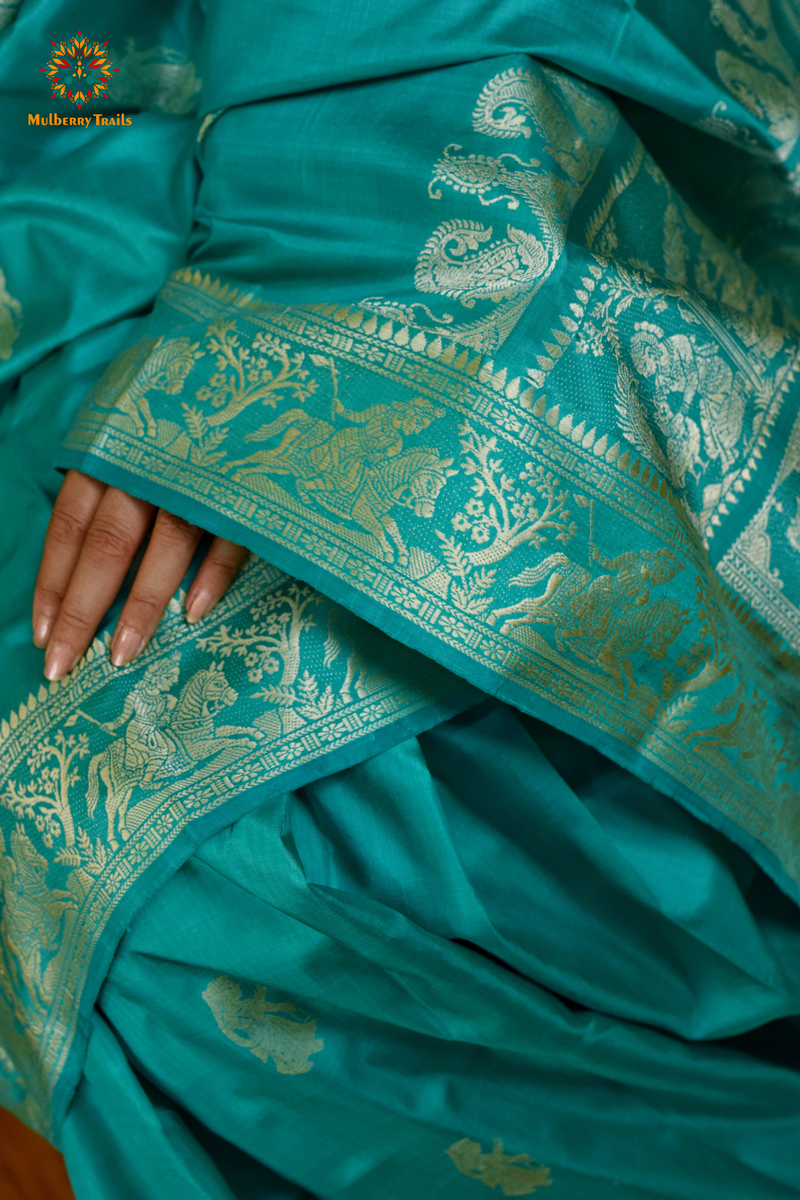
(514, 1174)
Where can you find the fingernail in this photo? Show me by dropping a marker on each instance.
(126, 645)
(59, 660)
(200, 604)
(41, 631)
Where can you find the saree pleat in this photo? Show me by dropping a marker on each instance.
(364, 896)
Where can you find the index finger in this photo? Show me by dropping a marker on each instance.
(112, 540)
(73, 512)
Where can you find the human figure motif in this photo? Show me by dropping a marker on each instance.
(678, 365)
(145, 748)
(360, 471)
(269, 1029)
(32, 914)
(315, 451)
(602, 619)
(164, 736)
(627, 583)
(146, 717)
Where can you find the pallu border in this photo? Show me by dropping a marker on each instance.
(641, 757)
(186, 812)
(193, 832)
(473, 386)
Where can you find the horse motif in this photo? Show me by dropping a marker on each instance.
(148, 366)
(651, 630)
(565, 580)
(412, 479)
(360, 474)
(164, 737)
(746, 734)
(602, 619)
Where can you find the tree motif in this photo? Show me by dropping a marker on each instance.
(204, 450)
(45, 800)
(621, 289)
(271, 645)
(244, 374)
(314, 703)
(504, 512)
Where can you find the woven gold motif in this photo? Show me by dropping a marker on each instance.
(101, 773)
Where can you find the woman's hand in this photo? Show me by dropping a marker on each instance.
(94, 534)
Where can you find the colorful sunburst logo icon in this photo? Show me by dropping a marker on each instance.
(79, 70)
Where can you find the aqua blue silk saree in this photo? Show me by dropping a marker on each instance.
(458, 846)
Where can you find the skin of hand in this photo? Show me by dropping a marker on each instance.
(94, 534)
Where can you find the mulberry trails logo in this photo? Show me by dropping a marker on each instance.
(79, 71)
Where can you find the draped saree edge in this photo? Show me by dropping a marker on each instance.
(94, 820)
(416, 511)
(634, 757)
(196, 832)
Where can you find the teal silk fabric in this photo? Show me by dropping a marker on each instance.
(458, 846)
(359, 899)
(587, 411)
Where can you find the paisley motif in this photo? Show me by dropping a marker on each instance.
(453, 263)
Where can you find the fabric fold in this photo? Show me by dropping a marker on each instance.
(504, 402)
(572, 524)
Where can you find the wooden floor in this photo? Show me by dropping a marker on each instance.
(30, 1169)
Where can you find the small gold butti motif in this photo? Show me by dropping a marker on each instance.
(79, 70)
(514, 1174)
(280, 1031)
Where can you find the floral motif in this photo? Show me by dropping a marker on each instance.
(245, 374)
